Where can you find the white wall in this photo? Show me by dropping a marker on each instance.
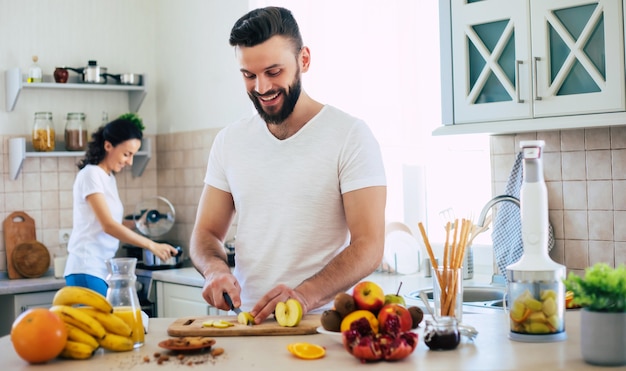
(200, 83)
(182, 46)
(119, 34)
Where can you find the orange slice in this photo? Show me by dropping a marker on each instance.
(306, 350)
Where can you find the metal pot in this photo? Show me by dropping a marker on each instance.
(150, 260)
(127, 78)
(92, 74)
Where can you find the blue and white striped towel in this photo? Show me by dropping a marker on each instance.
(508, 246)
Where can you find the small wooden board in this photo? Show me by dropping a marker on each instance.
(18, 227)
(31, 259)
(192, 326)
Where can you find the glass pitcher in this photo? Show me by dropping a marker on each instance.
(122, 294)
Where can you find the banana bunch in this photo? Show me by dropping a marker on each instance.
(90, 323)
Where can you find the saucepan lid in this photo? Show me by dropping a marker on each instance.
(154, 216)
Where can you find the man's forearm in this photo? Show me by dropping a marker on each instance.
(355, 262)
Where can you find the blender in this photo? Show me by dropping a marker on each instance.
(535, 290)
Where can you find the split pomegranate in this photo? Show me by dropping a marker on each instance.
(389, 344)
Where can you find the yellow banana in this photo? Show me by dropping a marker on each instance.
(116, 343)
(76, 295)
(109, 321)
(78, 318)
(76, 350)
(76, 334)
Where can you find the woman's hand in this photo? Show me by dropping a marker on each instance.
(163, 251)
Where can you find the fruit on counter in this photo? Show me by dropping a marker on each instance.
(356, 315)
(394, 299)
(80, 336)
(76, 295)
(288, 313)
(390, 344)
(331, 320)
(111, 322)
(417, 315)
(368, 296)
(80, 319)
(76, 350)
(220, 323)
(344, 303)
(90, 323)
(245, 318)
(38, 335)
(306, 350)
(403, 314)
(116, 343)
(530, 315)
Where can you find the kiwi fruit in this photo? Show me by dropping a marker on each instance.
(416, 315)
(344, 304)
(331, 320)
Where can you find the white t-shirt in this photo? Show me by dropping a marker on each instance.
(89, 246)
(288, 194)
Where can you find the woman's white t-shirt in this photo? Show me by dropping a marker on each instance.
(288, 194)
(89, 246)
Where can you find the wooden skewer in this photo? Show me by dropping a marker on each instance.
(429, 250)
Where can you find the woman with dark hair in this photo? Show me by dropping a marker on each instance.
(98, 211)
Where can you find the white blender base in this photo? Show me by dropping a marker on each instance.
(543, 338)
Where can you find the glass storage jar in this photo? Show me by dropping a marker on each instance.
(75, 132)
(43, 132)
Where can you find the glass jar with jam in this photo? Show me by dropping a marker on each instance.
(75, 132)
(442, 334)
(43, 132)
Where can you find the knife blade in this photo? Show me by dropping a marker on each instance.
(229, 301)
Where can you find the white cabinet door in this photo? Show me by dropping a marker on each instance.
(174, 301)
(24, 302)
(525, 59)
(490, 51)
(578, 56)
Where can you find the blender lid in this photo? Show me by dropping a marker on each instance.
(154, 216)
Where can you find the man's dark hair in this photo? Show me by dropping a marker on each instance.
(259, 25)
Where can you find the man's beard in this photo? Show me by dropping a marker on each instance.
(290, 99)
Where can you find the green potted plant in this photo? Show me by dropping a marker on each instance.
(601, 293)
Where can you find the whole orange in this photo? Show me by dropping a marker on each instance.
(38, 335)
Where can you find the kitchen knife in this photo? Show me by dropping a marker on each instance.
(230, 303)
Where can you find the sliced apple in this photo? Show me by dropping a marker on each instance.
(245, 318)
(289, 313)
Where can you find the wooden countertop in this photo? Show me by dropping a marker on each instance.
(491, 350)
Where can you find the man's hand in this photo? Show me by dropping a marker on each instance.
(268, 302)
(215, 284)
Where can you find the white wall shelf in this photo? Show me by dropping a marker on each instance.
(19, 150)
(16, 82)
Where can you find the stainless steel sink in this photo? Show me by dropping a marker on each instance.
(473, 296)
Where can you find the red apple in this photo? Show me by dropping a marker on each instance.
(394, 309)
(368, 296)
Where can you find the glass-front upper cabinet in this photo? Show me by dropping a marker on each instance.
(521, 59)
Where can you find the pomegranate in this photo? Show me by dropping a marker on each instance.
(390, 344)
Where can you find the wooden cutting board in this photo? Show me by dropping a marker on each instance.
(18, 227)
(31, 259)
(192, 326)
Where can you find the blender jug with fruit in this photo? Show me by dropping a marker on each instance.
(535, 299)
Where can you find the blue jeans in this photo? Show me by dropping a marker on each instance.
(88, 281)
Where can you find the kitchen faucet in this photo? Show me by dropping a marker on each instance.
(496, 278)
(492, 203)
